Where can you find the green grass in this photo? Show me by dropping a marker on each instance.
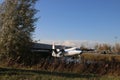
(23, 74)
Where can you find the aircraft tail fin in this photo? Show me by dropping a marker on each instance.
(53, 50)
(53, 46)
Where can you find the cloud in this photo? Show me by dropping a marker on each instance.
(72, 43)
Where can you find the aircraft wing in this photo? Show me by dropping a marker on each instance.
(73, 48)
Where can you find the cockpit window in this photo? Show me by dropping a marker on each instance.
(77, 49)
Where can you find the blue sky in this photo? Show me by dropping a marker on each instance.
(96, 20)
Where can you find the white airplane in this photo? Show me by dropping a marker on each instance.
(65, 52)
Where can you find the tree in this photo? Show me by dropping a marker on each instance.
(17, 18)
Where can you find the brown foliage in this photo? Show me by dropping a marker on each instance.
(98, 67)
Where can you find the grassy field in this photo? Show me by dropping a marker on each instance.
(107, 70)
(101, 57)
(22, 74)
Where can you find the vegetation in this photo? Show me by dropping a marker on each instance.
(16, 27)
(20, 74)
(56, 70)
(108, 49)
(116, 48)
(13, 74)
(101, 57)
